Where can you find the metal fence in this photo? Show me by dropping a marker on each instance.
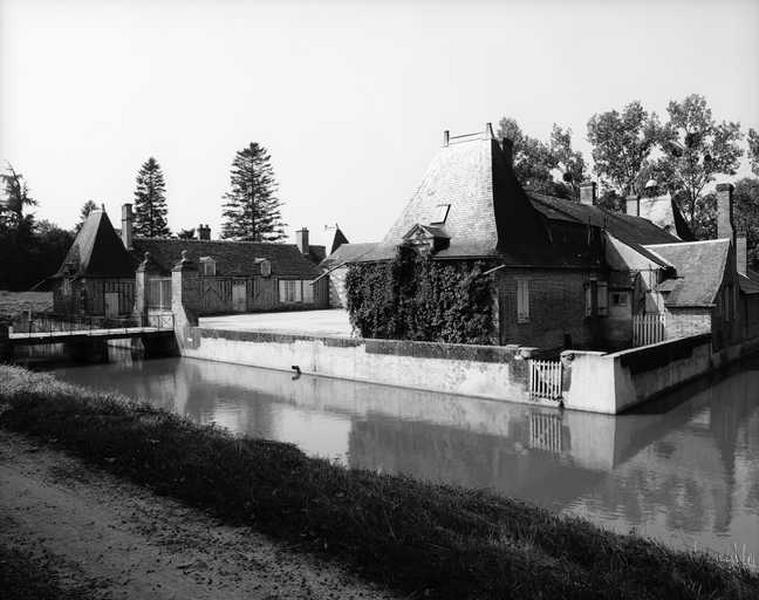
(545, 378)
(50, 323)
(649, 329)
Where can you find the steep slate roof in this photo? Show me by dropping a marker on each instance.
(347, 253)
(96, 251)
(490, 215)
(472, 176)
(626, 228)
(338, 240)
(700, 270)
(749, 283)
(317, 253)
(232, 258)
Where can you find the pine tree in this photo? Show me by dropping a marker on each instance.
(252, 210)
(150, 202)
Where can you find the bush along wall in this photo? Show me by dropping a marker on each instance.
(414, 297)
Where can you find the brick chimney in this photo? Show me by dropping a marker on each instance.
(741, 252)
(126, 225)
(204, 232)
(588, 193)
(725, 227)
(301, 240)
(633, 206)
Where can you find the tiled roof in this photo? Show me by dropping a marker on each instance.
(96, 251)
(624, 227)
(232, 258)
(346, 253)
(700, 270)
(317, 253)
(749, 283)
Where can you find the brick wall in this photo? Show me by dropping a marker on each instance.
(557, 309)
(688, 321)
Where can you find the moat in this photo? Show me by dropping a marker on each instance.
(683, 470)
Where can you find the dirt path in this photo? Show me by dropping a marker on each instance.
(117, 540)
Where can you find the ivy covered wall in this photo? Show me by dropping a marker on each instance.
(416, 298)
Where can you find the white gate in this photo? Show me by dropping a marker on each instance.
(649, 329)
(545, 379)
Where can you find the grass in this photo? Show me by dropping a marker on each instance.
(13, 304)
(422, 539)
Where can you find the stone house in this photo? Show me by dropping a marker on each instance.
(569, 274)
(98, 275)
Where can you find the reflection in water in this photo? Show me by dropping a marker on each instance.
(687, 475)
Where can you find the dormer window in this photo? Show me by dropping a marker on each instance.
(207, 266)
(264, 267)
(427, 239)
(440, 214)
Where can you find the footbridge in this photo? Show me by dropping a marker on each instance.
(86, 337)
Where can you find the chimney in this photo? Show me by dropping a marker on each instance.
(741, 252)
(633, 206)
(588, 193)
(446, 138)
(126, 225)
(725, 210)
(204, 232)
(489, 131)
(508, 151)
(301, 240)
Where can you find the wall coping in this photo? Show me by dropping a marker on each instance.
(472, 352)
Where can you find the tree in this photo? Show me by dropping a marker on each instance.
(85, 211)
(570, 162)
(252, 209)
(622, 143)
(753, 150)
(16, 198)
(695, 148)
(535, 161)
(745, 215)
(186, 234)
(150, 202)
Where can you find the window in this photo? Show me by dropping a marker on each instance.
(290, 290)
(602, 298)
(264, 266)
(440, 214)
(308, 292)
(207, 266)
(523, 300)
(619, 299)
(589, 298)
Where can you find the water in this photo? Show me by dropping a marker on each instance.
(685, 471)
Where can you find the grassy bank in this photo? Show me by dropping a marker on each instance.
(423, 539)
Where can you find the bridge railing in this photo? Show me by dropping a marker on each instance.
(51, 323)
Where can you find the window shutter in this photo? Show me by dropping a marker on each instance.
(523, 300)
(602, 293)
(588, 299)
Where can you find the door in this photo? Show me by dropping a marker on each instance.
(239, 298)
(111, 305)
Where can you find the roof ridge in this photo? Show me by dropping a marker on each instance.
(693, 242)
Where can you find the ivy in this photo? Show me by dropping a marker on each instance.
(416, 298)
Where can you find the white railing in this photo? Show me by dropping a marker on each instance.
(545, 379)
(649, 329)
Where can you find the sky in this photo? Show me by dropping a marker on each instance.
(350, 98)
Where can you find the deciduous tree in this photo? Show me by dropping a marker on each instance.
(753, 150)
(622, 144)
(85, 211)
(695, 149)
(150, 201)
(252, 209)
